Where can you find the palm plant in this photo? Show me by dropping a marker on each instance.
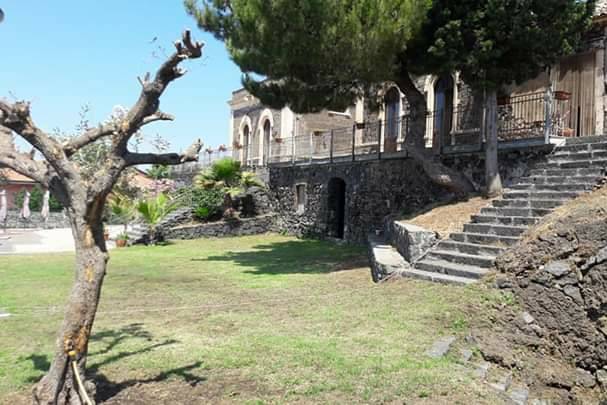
(122, 208)
(153, 210)
(222, 173)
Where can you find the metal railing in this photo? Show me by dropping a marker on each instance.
(529, 117)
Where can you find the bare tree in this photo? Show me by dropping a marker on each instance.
(84, 200)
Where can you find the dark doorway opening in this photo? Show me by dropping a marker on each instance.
(336, 208)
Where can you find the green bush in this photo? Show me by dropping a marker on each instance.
(207, 203)
(36, 197)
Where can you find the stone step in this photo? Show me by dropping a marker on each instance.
(528, 203)
(385, 259)
(592, 171)
(584, 140)
(483, 238)
(540, 195)
(492, 229)
(515, 212)
(470, 248)
(546, 180)
(509, 220)
(437, 277)
(589, 154)
(462, 258)
(562, 156)
(572, 164)
(442, 267)
(553, 186)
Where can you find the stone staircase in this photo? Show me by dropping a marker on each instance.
(464, 257)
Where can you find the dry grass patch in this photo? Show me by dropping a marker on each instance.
(448, 217)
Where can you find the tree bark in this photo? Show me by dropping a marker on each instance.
(492, 174)
(416, 144)
(59, 385)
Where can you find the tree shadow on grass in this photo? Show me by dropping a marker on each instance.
(107, 389)
(110, 339)
(295, 257)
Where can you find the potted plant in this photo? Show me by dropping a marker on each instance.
(122, 239)
(562, 95)
(503, 100)
(567, 132)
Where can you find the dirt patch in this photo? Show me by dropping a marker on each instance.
(224, 390)
(448, 217)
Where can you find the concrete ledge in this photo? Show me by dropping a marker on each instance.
(385, 261)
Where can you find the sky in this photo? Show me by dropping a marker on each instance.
(64, 54)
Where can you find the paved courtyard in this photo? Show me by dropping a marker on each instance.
(31, 241)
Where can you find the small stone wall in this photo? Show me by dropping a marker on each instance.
(513, 164)
(55, 220)
(244, 226)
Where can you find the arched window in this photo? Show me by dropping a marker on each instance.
(443, 106)
(392, 100)
(245, 144)
(267, 131)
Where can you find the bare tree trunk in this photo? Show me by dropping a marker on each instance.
(492, 174)
(416, 144)
(59, 385)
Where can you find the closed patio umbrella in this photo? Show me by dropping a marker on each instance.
(44, 212)
(25, 209)
(3, 208)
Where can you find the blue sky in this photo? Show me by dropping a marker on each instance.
(63, 54)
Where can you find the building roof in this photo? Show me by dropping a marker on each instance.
(13, 177)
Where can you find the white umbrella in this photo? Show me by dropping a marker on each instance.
(25, 210)
(45, 206)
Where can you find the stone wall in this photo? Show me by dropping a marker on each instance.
(513, 164)
(55, 220)
(372, 190)
(375, 189)
(244, 226)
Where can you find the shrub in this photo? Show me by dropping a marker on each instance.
(207, 203)
(36, 197)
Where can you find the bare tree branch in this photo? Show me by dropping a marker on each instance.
(146, 109)
(171, 159)
(23, 163)
(88, 137)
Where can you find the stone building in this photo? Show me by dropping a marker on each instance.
(260, 135)
(339, 173)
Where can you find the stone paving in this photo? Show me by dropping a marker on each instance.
(32, 241)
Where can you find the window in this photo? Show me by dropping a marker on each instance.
(392, 100)
(300, 198)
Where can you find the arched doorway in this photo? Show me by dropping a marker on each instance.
(336, 204)
(392, 108)
(245, 145)
(267, 129)
(443, 110)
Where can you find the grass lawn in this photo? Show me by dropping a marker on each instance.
(263, 319)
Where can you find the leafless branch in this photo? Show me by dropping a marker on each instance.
(171, 159)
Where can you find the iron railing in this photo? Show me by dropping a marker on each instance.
(534, 116)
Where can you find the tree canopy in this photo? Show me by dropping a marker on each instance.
(498, 42)
(315, 54)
